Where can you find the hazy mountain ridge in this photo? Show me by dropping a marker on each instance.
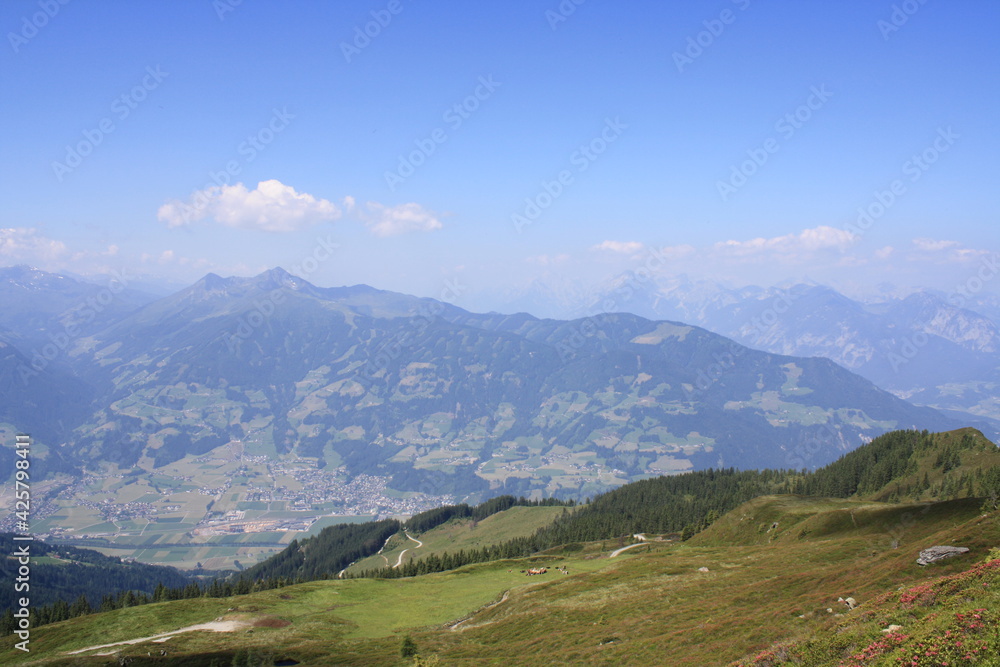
(46, 308)
(442, 400)
(919, 344)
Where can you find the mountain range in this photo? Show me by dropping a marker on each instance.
(425, 396)
(932, 348)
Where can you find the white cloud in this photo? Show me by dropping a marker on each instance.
(25, 244)
(883, 253)
(624, 247)
(385, 220)
(793, 246)
(943, 252)
(271, 207)
(967, 255)
(823, 237)
(931, 245)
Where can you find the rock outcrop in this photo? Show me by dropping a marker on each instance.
(933, 554)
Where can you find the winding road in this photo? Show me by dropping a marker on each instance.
(340, 575)
(399, 561)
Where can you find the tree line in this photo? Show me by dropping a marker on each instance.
(79, 572)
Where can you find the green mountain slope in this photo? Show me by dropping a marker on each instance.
(648, 605)
(443, 401)
(908, 465)
(760, 583)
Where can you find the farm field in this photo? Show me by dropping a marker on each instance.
(225, 509)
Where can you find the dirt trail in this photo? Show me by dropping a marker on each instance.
(214, 626)
(631, 546)
(340, 575)
(468, 618)
(399, 561)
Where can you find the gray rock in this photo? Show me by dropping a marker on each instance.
(933, 554)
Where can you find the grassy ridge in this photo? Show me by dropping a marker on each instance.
(787, 519)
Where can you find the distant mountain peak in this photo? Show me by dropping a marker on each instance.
(15, 269)
(213, 282)
(277, 278)
(22, 273)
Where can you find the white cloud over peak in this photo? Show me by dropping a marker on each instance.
(275, 207)
(793, 245)
(944, 252)
(385, 220)
(25, 244)
(271, 207)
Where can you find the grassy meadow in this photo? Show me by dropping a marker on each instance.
(735, 590)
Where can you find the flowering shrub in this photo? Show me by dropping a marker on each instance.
(877, 648)
(942, 636)
(766, 658)
(923, 595)
(961, 645)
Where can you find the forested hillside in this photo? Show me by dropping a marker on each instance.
(332, 550)
(912, 465)
(435, 517)
(62, 573)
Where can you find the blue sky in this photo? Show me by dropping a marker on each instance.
(493, 144)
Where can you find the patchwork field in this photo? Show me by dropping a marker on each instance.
(222, 510)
